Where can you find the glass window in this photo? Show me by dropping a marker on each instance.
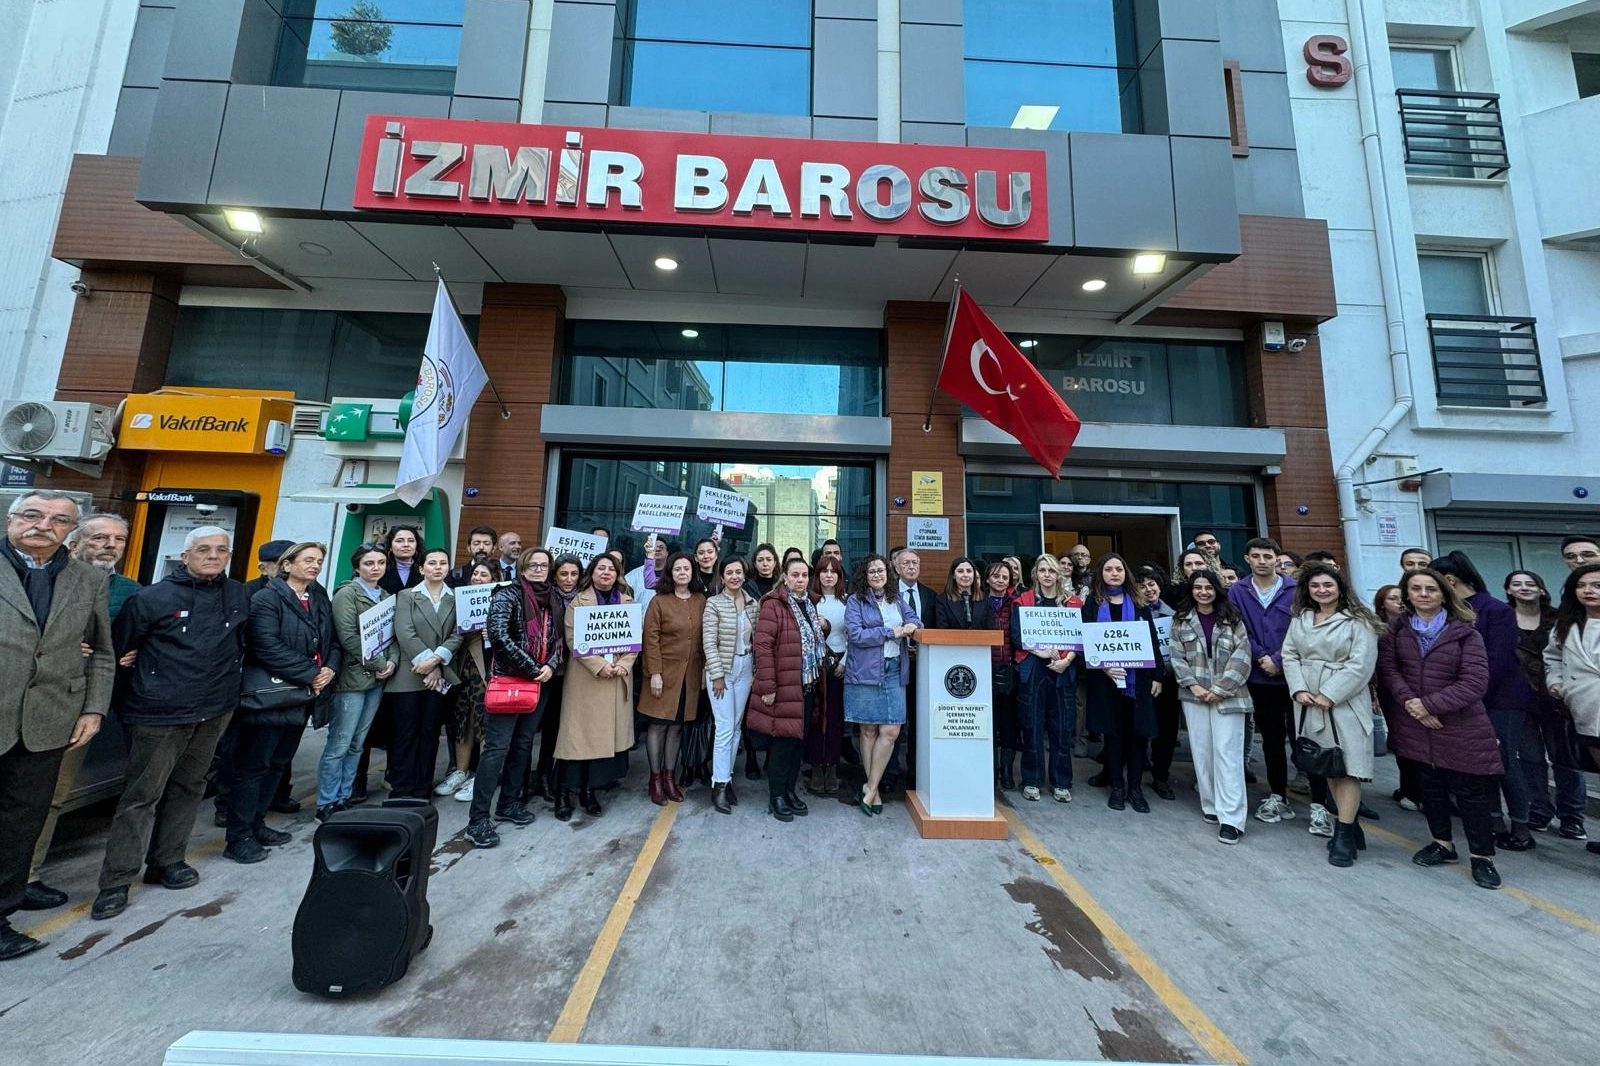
(718, 55)
(1587, 67)
(1052, 64)
(320, 354)
(797, 506)
(373, 45)
(1454, 284)
(1154, 382)
(670, 366)
(1000, 524)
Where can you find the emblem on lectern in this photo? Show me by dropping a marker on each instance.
(960, 682)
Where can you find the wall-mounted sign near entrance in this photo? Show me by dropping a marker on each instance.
(634, 177)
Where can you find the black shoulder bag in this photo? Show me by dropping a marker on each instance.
(1312, 758)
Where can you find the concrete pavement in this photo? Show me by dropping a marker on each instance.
(1089, 934)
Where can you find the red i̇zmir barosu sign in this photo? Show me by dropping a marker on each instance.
(509, 170)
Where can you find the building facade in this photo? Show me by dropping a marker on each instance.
(713, 244)
(1451, 145)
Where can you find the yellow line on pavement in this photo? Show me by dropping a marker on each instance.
(1555, 910)
(575, 1014)
(1212, 1040)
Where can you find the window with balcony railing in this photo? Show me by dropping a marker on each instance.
(1445, 132)
(1480, 358)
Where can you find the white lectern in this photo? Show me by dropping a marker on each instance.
(954, 793)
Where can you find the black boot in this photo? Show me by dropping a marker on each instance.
(778, 807)
(1008, 781)
(797, 805)
(564, 805)
(590, 803)
(719, 799)
(1342, 851)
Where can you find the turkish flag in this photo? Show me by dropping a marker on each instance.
(984, 370)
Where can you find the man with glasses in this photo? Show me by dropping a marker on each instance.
(1579, 551)
(189, 632)
(54, 696)
(1207, 544)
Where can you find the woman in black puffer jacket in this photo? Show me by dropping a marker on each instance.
(525, 633)
(291, 637)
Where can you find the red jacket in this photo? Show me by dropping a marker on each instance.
(1451, 681)
(779, 668)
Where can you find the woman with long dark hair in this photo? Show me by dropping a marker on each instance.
(763, 575)
(704, 582)
(526, 640)
(405, 562)
(425, 629)
(789, 660)
(1435, 673)
(466, 704)
(727, 632)
(964, 604)
(1003, 676)
(359, 686)
(1211, 664)
(825, 741)
(564, 580)
(1509, 698)
(1329, 655)
(596, 700)
(877, 669)
(1121, 702)
(1547, 747)
(674, 667)
(1572, 661)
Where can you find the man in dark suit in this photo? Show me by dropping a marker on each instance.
(480, 549)
(55, 697)
(909, 589)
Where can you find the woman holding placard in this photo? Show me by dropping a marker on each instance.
(1211, 661)
(359, 686)
(788, 650)
(825, 740)
(1047, 697)
(597, 698)
(727, 633)
(1120, 700)
(1329, 655)
(877, 670)
(467, 707)
(674, 662)
(425, 629)
(525, 637)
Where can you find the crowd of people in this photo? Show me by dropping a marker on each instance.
(806, 661)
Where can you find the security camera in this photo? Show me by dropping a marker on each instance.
(1298, 344)
(206, 508)
(355, 508)
(80, 288)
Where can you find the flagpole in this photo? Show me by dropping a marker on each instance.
(505, 412)
(944, 351)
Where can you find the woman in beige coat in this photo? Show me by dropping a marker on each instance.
(674, 665)
(1329, 655)
(597, 699)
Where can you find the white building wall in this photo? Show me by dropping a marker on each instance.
(61, 64)
(1556, 283)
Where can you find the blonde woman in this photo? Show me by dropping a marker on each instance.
(1047, 696)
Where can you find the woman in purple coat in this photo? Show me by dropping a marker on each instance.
(1435, 672)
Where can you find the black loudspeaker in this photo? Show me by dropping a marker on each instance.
(365, 912)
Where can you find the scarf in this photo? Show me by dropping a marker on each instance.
(563, 600)
(538, 598)
(1129, 614)
(39, 582)
(805, 618)
(1428, 633)
(610, 598)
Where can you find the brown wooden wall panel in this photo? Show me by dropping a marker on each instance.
(1286, 388)
(1285, 270)
(121, 333)
(1307, 480)
(915, 334)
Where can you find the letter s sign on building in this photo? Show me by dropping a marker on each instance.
(636, 177)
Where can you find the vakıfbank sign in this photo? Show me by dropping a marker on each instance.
(185, 422)
(510, 170)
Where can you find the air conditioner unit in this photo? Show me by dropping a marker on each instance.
(49, 429)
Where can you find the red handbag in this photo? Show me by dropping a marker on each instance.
(511, 695)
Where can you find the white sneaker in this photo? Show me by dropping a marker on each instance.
(1408, 804)
(464, 793)
(452, 781)
(1063, 795)
(1030, 793)
(1321, 821)
(1270, 810)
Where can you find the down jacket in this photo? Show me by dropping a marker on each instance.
(779, 668)
(507, 630)
(1450, 680)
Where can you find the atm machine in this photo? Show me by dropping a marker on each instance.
(172, 513)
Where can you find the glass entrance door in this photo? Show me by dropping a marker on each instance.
(1138, 534)
(1497, 554)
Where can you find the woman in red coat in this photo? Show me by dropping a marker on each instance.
(1435, 672)
(789, 654)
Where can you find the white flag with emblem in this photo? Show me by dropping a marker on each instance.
(448, 385)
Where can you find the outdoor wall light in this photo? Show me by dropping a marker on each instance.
(242, 221)
(1149, 263)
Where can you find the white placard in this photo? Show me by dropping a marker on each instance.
(961, 721)
(659, 514)
(1051, 628)
(570, 542)
(928, 534)
(1164, 635)
(377, 628)
(1388, 529)
(608, 629)
(472, 606)
(722, 508)
(1125, 644)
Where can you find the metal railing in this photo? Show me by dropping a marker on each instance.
(1453, 134)
(1486, 361)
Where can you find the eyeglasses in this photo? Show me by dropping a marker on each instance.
(207, 549)
(1572, 557)
(33, 518)
(537, 566)
(369, 547)
(1209, 542)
